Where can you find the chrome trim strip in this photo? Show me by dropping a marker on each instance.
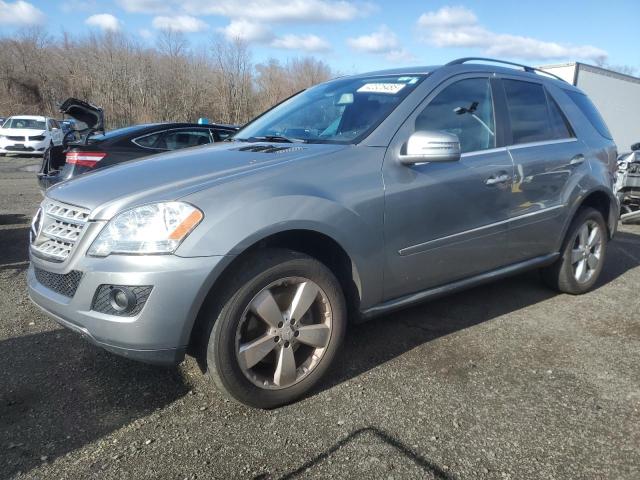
(480, 152)
(538, 144)
(421, 246)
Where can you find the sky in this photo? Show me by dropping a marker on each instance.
(356, 36)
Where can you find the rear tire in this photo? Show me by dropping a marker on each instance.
(276, 330)
(582, 256)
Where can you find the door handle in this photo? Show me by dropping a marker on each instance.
(499, 179)
(577, 160)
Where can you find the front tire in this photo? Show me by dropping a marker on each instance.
(277, 330)
(582, 256)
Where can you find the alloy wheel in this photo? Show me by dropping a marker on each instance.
(284, 333)
(587, 251)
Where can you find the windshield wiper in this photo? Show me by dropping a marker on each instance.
(273, 138)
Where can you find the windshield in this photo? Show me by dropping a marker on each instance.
(27, 123)
(340, 111)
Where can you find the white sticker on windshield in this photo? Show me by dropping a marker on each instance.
(389, 88)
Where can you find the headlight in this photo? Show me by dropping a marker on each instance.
(149, 229)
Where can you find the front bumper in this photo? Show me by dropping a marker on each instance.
(160, 332)
(33, 147)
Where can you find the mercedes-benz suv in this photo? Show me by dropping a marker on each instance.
(354, 198)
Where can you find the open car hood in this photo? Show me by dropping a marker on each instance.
(90, 115)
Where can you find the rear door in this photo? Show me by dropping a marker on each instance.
(448, 220)
(547, 156)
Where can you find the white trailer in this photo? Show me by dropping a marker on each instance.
(616, 95)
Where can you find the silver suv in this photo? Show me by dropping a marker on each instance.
(352, 199)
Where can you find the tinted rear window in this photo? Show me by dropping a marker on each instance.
(527, 105)
(590, 111)
(99, 137)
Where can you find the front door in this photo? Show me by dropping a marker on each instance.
(448, 220)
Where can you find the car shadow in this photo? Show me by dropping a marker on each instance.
(15, 248)
(370, 344)
(14, 219)
(58, 393)
(427, 466)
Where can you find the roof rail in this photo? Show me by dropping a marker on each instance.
(526, 68)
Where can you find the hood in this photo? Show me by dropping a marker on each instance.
(90, 115)
(170, 176)
(22, 132)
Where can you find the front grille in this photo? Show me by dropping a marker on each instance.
(64, 284)
(16, 139)
(102, 299)
(57, 229)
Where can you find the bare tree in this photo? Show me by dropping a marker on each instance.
(134, 83)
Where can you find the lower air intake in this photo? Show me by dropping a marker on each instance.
(64, 284)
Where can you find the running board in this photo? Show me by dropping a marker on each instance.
(432, 293)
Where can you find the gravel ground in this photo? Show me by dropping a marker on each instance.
(506, 381)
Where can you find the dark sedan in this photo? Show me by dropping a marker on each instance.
(116, 146)
(97, 149)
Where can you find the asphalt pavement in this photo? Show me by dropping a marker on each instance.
(505, 381)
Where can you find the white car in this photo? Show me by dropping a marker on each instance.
(29, 134)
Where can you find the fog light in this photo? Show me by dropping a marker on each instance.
(122, 299)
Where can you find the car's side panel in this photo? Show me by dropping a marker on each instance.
(349, 209)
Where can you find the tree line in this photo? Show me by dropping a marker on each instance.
(136, 83)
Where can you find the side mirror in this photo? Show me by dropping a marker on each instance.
(635, 147)
(431, 146)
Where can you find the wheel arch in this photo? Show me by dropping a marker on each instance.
(317, 244)
(601, 200)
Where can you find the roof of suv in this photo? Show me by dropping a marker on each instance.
(463, 65)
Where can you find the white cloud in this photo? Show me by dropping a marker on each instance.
(247, 31)
(448, 17)
(104, 21)
(180, 23)
(381, 41)
(459, 27)
(252, 32)
(279, 10)
(308, 43)
(147, 6)
(257, 10)
(20, 13)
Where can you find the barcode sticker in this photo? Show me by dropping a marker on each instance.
(388, 88)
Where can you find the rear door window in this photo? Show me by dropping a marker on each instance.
(177, 139)
(527, 107)
(590, 111)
